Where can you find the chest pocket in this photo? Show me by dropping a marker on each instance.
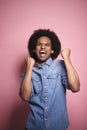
(36, 82)
(54, 80)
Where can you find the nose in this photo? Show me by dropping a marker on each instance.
(42, 46)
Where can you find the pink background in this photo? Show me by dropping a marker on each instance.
(18, 19)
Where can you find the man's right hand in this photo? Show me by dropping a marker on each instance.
(29, 62)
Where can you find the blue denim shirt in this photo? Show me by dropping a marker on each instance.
(48, 97)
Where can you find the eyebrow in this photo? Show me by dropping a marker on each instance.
(44, 43)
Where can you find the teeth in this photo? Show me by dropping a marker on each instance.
(42, 52)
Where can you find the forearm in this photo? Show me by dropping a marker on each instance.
(73, 78)
(26, 88)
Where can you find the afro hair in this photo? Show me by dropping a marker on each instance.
(56, 45)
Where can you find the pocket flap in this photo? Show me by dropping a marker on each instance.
(53, 75)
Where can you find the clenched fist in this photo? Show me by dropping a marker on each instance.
(65, 53)
(29, 62)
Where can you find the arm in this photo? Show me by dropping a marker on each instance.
(26, 87)
(72, 75)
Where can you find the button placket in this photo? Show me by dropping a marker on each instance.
(45, 94)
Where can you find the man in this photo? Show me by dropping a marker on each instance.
(45, 82)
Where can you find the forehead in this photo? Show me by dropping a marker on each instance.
(44, 39)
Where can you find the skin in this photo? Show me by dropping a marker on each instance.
(43, 45)
(43, 51)
(73, 78)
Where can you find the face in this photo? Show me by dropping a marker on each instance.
(43, 49)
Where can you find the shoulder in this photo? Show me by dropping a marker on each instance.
(58, 63)
(58, 66)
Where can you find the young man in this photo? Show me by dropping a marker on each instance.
(45, 82)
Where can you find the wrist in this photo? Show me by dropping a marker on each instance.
(67, 59)
(29, 69)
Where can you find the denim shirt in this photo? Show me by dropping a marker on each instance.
(48, 97)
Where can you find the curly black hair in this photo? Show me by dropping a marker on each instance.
(56, 45)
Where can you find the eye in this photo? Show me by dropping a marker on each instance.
(38, 44)
(47, 44)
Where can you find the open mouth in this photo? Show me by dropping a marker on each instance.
(42, 53)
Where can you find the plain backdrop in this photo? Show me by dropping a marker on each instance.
(18, 20)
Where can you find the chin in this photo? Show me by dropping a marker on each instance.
(41, 60)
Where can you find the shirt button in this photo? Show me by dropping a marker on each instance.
(45, 86)
(45, 119)
(46, 98)
(45, 108)
(44, 76)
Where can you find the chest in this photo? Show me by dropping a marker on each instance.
(46, 80)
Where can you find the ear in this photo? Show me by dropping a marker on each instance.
(34, 50)
(52, 51)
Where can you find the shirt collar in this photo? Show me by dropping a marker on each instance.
(48, 62)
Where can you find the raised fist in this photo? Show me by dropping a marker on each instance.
(65, 53)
